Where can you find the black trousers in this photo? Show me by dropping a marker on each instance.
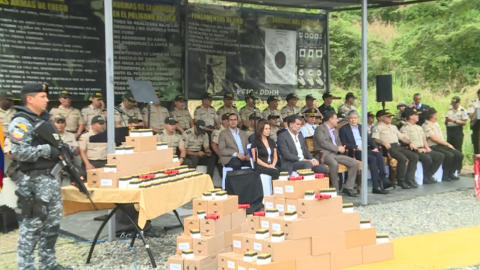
(476, 147)
(237, 164)
(209, 161)
(402, 155)
(274, 173)
(430, 162)
(453, 159)
(455, 137)
(377, 168)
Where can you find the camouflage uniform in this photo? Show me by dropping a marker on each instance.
(45, 186)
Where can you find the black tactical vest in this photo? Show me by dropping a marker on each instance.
(34, 119)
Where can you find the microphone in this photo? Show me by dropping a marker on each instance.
(120, 111)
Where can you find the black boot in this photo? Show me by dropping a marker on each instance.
(403, 185)
(412, 183)
(453, 177)
(446, 178)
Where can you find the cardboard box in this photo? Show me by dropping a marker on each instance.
(237, 243)
(110, 182)
(346, 258)
(250, 243)
(239, 217)
(208, 245)
(199, 204)
(229, 235)
(280, 205)
(190, 223)
(211, 227)
(269, 201)
(244, 227)
(338, 223)
(291, 205)
(328, 243)
(95, 176)
(253, 223)
(361, 237)
(319, 208)
(228, 259)
(288, 249)
(285, 265)
(175, 262)
(313, 262)
(142, 162)
(184, 242)
(200, 262)
(92, 177)
(223, 207)
(296, 189)
(142, 144)
(378, 252)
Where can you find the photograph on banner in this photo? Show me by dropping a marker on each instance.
(148, 45)
(238, 51)
(59, 43)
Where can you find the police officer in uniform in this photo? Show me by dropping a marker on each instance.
(158, 113)
(327, 103)
(181, 114)
(206, 113)
(309, 128)
(272, 121)
(272, 109)
(291, 107)
(348, 105)
(94, 155)
(370, 120)
(386, 134)
(248, 110)
(310, 104)
(174, 140)
(129, 108)
(453, 158)
(253, 123)
(455, 120)
(214, 142)
(195, 140)
(228, 107)
(96, 108)
(474, 104)
(6, 110)
(36, 160)
(67, 137)
(431, 160)
(73, 117)
(398, 119)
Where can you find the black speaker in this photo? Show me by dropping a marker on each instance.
(247, 185)
(384, 88)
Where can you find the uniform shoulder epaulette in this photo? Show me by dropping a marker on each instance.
(221, 107)
(55, 107)
(188, 132)
(160, 133)
(86, 107)
(234, 106)
(213, 107)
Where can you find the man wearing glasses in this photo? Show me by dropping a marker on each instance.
(73, 117)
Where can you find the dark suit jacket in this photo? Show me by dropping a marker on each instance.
(227, 145)
(288, 151)
(347, 138)
(323, 141)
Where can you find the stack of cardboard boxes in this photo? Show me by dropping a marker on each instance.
(209, 232)
(305, 227)
(146, 157)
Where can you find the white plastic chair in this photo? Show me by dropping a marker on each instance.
(419, 174)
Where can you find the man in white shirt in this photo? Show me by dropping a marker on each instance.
(309, 128)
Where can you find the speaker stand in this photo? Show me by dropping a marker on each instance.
(383, 105)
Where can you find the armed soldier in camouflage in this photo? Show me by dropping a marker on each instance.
(38, 189)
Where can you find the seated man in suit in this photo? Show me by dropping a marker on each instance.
(232, 144)
(351, 136)
(326, 138)
(293, 150)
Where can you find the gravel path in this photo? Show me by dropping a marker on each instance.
(427, 214)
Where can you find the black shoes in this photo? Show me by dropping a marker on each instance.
(379, 191)
(453, 177)
(446, 178)
(428, 180)
(403, 185)
(59, 267)
(387, 184)
(349, 192)
(412, 183)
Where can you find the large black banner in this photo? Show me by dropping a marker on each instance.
(239, 51)
(62, 43)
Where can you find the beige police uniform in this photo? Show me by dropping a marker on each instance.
(432, 129)
(223, 110)
(473, 105)
(304, 108)
(157, 116)
(182, 117)
(73, 117)
(414, 133)
(123, 118)
(246, 111)
(175, 140)
(369, 130)
(345, 108)
(88, 112)
(287, 111)
(194, 142)
(249, 131)
(208, 115)
(458, 114)
(216, 134)
(386, 133)
(94, 151)
(273, 133)
(267, 112)
(69, 139)
(6, 118)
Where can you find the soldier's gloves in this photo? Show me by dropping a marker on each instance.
(54, 153)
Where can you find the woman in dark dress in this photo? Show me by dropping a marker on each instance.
(267, 151)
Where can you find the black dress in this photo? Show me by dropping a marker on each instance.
(263, 156)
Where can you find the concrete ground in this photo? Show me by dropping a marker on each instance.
(70, 224)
